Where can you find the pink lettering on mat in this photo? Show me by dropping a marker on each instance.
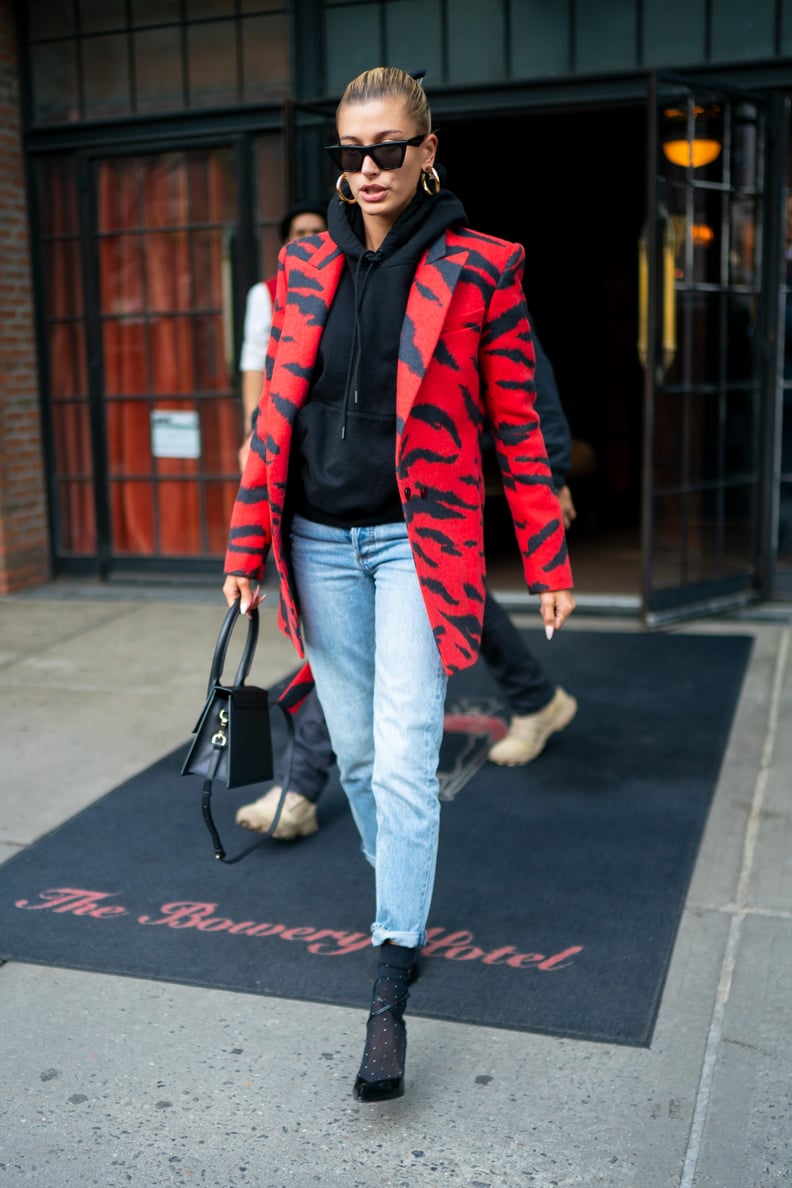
(326, 942)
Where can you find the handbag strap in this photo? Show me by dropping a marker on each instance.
(223, 640)
(206, 798)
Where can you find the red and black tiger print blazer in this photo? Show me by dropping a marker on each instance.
(466, 355)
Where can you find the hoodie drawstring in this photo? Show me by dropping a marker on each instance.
(356, 349)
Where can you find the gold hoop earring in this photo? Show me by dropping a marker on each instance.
(432, 175)
(340, 191)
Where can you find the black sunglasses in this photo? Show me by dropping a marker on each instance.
(389, 154)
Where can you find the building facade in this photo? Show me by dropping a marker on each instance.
(637, 148)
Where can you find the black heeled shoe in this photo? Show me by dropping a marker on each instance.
(389, 1087)
(386, 1033)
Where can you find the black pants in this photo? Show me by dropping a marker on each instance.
(519, 675)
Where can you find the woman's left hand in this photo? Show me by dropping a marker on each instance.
(555, 608)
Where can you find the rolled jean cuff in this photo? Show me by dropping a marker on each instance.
(409, 940)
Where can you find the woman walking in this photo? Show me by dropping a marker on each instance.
(396, 336)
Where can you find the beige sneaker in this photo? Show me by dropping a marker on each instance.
(528, 733)
(298, 818)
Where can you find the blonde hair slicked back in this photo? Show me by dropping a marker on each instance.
(388, 82)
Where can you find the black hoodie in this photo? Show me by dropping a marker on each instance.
(343, 462)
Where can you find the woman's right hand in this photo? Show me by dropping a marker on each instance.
(236, 587)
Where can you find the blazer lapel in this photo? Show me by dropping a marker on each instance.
(427, 305)
(312, 286)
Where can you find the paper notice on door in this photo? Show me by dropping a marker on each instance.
(175, 434)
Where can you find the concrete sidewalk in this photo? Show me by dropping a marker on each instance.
(116, 1081)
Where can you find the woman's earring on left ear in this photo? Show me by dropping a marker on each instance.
(340, 190)
(430, 175)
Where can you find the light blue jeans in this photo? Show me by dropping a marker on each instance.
(382, 687)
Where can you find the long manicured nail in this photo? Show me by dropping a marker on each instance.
(549, 632)
(243, 607)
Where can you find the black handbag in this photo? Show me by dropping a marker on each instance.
(233, 739)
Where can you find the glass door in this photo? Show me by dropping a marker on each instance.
(164, 226)
(702, 326)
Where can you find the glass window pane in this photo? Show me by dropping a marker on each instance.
(57, 205)
(212, 64)
(155, 12)
(67, 366)
(741, 31)
(700, 536)
(705, 338)
(741, 445)
(270, 178)
(213, 373)
(172, 359)
(106, 76)
(220, 429)
(352, 43)
(168, 271)
(740, 501)
(606, 36)
(179, 516)
(669, 520)
(76, 526)
(207, 256)
(124, 357)
(213, 186)
(668, 438)
(703, 437)
(697, 239)
(158, 70)
(539, 43)
(219, 500)
(55, 95)
(401, 21)
(72, 440)
(741, 341)
(674, 31)
(476, 41)
(164, 189)
(64, 278)
(100, 16)
(128, 437)
(199, 9)
(743, 264)
(265, 56)
(118, 195)
(121, 275)
(46, 19)
(132, 513)
(785, 525)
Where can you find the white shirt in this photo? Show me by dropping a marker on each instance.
(258, 322)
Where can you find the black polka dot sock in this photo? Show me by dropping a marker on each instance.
(381, 1073)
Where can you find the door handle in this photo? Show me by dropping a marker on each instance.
(643, 300)
(227, 296)
(668, 311)
(669, 293)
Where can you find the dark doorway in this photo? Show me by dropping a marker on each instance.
(570, 186)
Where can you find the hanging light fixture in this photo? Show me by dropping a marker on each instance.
(679, 148)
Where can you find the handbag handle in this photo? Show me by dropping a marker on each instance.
(215, 678)
(223, 640)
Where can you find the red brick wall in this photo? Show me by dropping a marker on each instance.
(24, 532)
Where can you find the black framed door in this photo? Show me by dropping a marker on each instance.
(148, 253)
(703, 327)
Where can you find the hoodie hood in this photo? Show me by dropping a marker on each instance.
(425, 218)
